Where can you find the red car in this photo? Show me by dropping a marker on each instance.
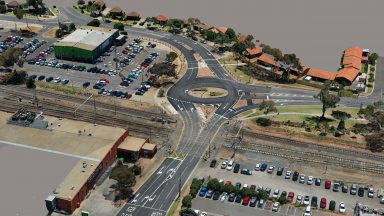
(246, 200)
(228, 183)
(253, 187)
(8, 39)
(125, 52)
(327, 184)
(323, 203)
(104, 79)
(290, 196)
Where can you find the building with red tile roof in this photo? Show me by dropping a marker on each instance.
(222, 29)
(13, 4)
(347, 75)
(254, 51)
(101, 3)
(161, 18)
(321, 75)
(242, 38)
(267, 60)
(204, 26)
(116, 10)
(133, 15)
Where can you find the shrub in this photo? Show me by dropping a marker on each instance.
(337, 114)
(30, 83)
(187, 201)
(265, 122)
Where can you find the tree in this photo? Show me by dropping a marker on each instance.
(337, 114)
(30, 83)
(119, 26)
(10, 57)
(36, 4)
(3, 7)
(263, 122)
(187, 201)
(372, 58)
(282, 200)
(59, 33)
(19, 13)
(178, 23)
(275, 52)
(72, 27)
(291, 59)
(94, 22)
(262, 195)
(163, 69)
(80, 2)
(375, 141)
(239, 47)
(231, 34)
(328, 99)
(268, 106)
(341, 125)
(171, 56)
(213, 184)
(63, 27)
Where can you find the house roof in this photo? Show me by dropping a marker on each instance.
(322, 74)
(348, 73)
(215, 30)
(161, 18)
(267, 59)
(222, 29)
(242, 38)
(204, 26)
(13, 3)
(133, 14)
(132, 144)
(254, 51)
(99, 2)
(116, 9)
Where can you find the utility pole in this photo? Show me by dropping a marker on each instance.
(179, 185)
(94, 110)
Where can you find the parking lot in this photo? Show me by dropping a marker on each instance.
(135, 58)
(273, 181)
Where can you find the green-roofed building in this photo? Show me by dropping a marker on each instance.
(85, 44)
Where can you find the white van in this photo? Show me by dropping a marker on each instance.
(307, 211)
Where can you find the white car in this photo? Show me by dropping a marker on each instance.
(370, 192)
(245, 186)
(342, 207)
(223, 197)
(203, 214)
(310, 180)
(57, 80)
(302, 179)
(230, 165)
(288, 174)
(276, 206)
(275, 193)
(257, 167)
(306, 200)
(307, 211)
(224, 164)
(382, 200)
(271, 168)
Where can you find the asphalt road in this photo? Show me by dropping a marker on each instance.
(157, 194)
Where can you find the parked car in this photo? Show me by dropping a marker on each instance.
(257, 167)
(252, 202)
(310, 180)
(230, 165)
(291, 195)
(276, 206)
(280, 171)
(323, 203)
(370, 192)
(295, 176)
(314, 202)
(382, 200)
(263, 167)
(270, 170)
(236, 168)
(213, 163)
(342, 207)
(306, 200)
(261, 203)
(231, 197)
(307, 211)
(246, 200)
(299, 199)
(238, 185)
(209, 194)
(302, 179)
(216, 195)
(353, 189)
(336, 187)
(41, 77)
(275, 193)
(64, 81)
(332, 205)
(86, 84)
(246, 171)
(238, 198)
(224, 165)
(327, 184)
(203, 191)
(360, 192)
(49, 79)
(288, 174)
(318, 181)
(344, 188)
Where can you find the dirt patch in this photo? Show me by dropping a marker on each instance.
(208, 92)
(51, 33)
(207, 110)
(240, 103)
(32, 28)
(205, 72)
(130, 104)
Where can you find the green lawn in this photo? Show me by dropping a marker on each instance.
(239, 75)
(364, 68)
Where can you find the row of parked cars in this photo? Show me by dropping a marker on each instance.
(50, 79)
(301, 178)
(9, 42)
(33, 45)
(254, 201)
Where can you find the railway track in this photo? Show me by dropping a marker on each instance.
(28, 94)
(315, 146)
(306, 156)
(58, 110)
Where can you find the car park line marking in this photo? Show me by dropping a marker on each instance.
(48, 150)
(141, 206)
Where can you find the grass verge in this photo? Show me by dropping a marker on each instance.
(61, 88)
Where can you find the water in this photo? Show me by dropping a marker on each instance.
(316, 30)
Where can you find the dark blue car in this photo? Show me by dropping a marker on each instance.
(263, 167)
